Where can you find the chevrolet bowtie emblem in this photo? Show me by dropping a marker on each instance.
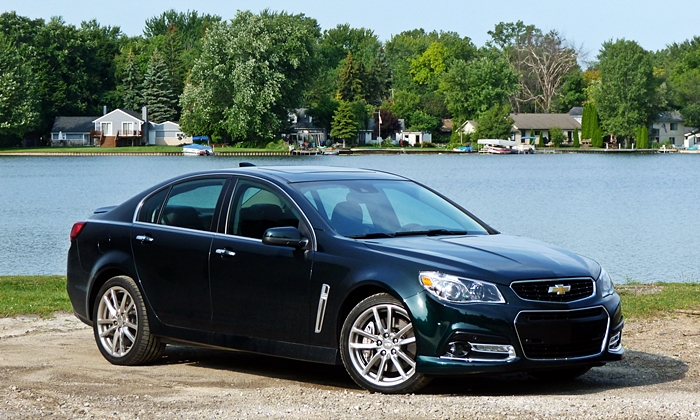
(559, 289)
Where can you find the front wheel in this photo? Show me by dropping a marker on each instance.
(378, 346)
(120, 324)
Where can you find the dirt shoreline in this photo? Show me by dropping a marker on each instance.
(51, 368)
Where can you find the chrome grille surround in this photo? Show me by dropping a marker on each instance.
(538, 290)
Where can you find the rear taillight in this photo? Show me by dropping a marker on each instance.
(75, 230)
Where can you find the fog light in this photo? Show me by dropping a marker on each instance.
(457, 349)
(494, 348)
(615, 343)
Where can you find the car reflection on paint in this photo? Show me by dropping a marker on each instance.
(340, 266)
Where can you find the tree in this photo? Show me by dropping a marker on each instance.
(590, 122)
(577, 141)
(158, 93)
(345, 125)
(19, 101)
(680, 64)
(350, 86)
(422, 121)
(251, 72)
(571, 93)
(427, 68)
(131, 85)
(495, 123)
(626, 97)
(642, 138)
(556, 136)
(472, 88)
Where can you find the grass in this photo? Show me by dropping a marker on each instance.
(44, 295)
(661, 299)
(33, 295)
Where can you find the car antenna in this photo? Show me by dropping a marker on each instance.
(245, 164)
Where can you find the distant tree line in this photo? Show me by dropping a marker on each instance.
(238, 80)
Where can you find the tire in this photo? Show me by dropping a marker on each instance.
(561, 375)
(378, 346)
(120, 324)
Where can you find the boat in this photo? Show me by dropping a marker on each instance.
(464, 149)
(197, 150)
(496, 146)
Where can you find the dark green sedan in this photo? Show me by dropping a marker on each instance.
(340, 266)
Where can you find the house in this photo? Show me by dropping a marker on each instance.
(413, 138)
(536, 127)
(577, 113)
(119, 128)
(72, 131)
(668, 127)
(166, 134)
(528, 128)
(692, 137)
(303, 129)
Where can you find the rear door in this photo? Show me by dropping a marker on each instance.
(171, 241)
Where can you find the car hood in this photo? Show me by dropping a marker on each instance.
(497, 258)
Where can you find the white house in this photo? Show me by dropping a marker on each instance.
(529, 127)
(414, 137)
(166, 134)
(119, 128)
(668, 127)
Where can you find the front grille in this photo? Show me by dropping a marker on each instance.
(548, 335)
(557, 290)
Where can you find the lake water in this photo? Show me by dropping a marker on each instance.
(637, 215)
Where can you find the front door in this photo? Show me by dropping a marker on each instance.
(259, 290)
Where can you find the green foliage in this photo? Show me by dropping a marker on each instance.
(590, 124)
(19, 99)
(345, 124)
(350, 86)
(571, 93)
(495, 123)
(626, 98)
(556, 136)
(472, 88)
(427, 67)
(577, 141)
(250, 73)
(158, 93)
(131, 85)
(422, 121)
(642, 138)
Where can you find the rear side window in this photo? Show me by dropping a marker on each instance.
(189, 204)
(151, 207)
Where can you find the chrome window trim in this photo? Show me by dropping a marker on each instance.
(235, 177)
(565, 279)
(266, 182)
(602, 346)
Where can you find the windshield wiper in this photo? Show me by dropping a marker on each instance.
(431, 232)
(374, 235)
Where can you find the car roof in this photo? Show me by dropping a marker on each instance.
(293, 174)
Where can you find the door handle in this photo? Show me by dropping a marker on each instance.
(225, 252)
(144, 238)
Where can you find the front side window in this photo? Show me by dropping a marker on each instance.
(364, 208)
(106, 128)
(256, 207)
(127, 128)
(190, 204)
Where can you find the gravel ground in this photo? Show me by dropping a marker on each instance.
(51, 368)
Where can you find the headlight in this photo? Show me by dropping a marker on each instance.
(460, 290)
(605, 283)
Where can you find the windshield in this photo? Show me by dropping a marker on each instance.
(373, 209)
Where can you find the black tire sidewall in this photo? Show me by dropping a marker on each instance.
(133, 356)
(416, 382)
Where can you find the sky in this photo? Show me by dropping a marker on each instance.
(586, 23)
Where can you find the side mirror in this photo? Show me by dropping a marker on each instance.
(284, 236)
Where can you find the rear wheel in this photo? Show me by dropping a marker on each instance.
(120, 324)
(378, 346)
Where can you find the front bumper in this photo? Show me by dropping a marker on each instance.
(523, 336)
